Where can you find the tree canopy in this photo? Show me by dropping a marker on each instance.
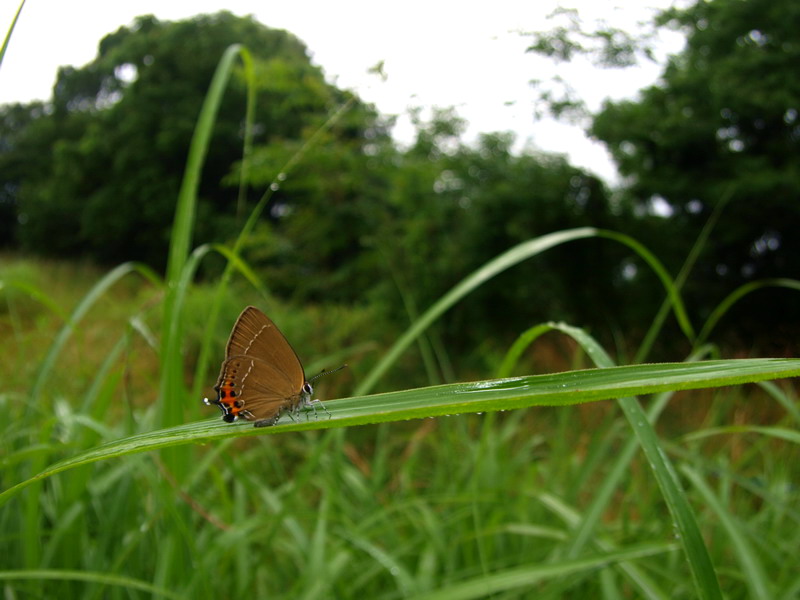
(721, 126)
(96, 171)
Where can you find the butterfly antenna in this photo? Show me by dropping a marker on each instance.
(325, 372)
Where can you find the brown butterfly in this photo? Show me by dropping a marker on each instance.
(262, 377)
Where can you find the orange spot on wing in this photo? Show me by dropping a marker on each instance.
(228, 396)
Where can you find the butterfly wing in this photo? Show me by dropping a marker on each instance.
(253, 389)
(254, 334)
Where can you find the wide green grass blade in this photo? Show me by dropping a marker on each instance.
(558, 389)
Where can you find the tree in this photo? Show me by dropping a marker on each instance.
(721, 125)
(454, 206)
(112, 142)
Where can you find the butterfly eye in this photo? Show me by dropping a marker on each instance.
(307, 389)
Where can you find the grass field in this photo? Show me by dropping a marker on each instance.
(116, 482)
(498, 505)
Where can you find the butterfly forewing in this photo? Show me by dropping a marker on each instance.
(254, 334)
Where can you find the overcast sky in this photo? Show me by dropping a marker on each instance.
(469, 55)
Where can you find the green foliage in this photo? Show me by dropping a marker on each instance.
(721, 127)
(119, 128)
(426, 216)
(570, 38)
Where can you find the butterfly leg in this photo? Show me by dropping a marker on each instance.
(312, 404)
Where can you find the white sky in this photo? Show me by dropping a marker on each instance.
(436, 53)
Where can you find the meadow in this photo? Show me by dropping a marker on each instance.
(556, 501)
(670, 480)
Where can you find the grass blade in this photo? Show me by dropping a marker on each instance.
(559, 389)
(7, 39)
(172, 388)
(477, 278)
(703, 573)
(754, 572)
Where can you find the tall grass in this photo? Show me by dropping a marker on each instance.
(591, 500)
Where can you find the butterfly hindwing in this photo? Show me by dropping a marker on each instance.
(253, 389)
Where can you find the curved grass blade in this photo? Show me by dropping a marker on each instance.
(732, 298)
(506, 260)
(477, 278)
(698, 246)
(778, 433)
(36, 294)
(594, 350)
(669, 285)
(787, 401)
(696, 552)
(7, 39)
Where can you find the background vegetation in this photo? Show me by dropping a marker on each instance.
(352, 244)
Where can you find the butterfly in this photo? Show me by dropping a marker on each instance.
(261, 376)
